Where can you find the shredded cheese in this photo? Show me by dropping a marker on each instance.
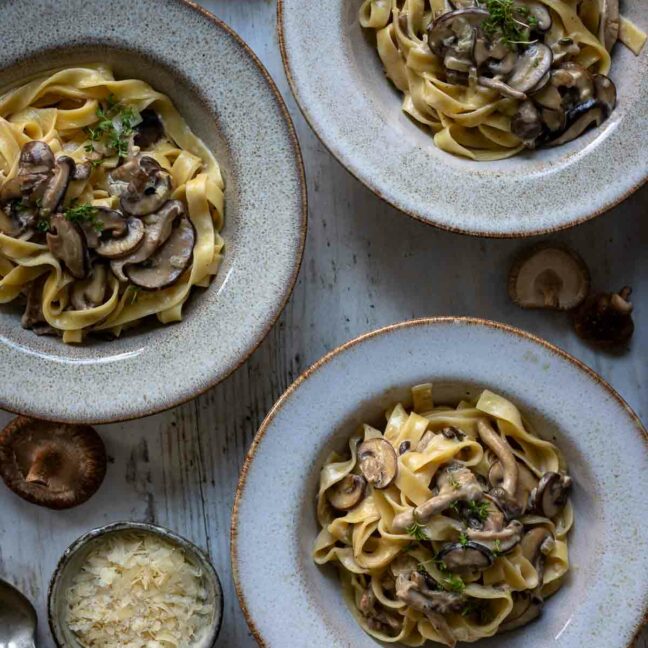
(135, 590)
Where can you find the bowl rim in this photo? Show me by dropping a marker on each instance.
(154, 529)
(420, 322)
(433, 221)
(286, 291)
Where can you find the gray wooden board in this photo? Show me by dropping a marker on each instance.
(366, 265)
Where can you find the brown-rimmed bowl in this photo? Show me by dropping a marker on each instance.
(340, 85)
(230, 101)
(604, 443)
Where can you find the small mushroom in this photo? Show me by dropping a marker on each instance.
(51, 464)
(149, 130)
(90, 292)
(579, 119)
(117, 247)
(530, 68)
(148, 185)
(82, 171)
(527, 123)
(548, 276)
(378, 618)
(378, 462)
(66, 242)
(527, 606)
(504, 539)
(36, 157)
(347, 493)
(35, 165)
(605, 319)
(157, 229)
(504, 89)
(503, 452)
(106, 222)
(526, 483)
(57, 185)
(538, 11)
(165, 266)
(32, 317)
(536, 545)
(605, 93)
(467, 557)
(445, 28)
(551, 494)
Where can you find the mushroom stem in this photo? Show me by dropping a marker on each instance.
(47, 463)
(504, 453)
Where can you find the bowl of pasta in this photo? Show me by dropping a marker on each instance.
(138, 263)
(502, 118)
(442, 481)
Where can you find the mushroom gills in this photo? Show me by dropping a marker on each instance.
(605, 319)
(120, 246)
(347, 493)
(66, 241)
(551, 494)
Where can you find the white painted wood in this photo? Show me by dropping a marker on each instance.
(365, 266)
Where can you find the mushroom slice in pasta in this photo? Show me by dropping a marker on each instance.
(378, 462)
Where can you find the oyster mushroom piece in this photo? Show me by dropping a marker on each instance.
(467, 557)
(347, 493)
(530, 68)
(445, 28)
(149, 187)
(526, 483)
(605, 319)
(609, 23)
(605, 93)
(510, 471)
(575, 79)
(51, 464)
(501, 87)
(503, 539)
(67, 243)
(35, 166)
(549, 276)
(36, 157)
(527, 606)
(165, 266)
(90, 292)
(536, 545)
(57, 185)
(157, 229)
(105, 222)
(579, 119)
(116, 247)
(378, 462)
(550, 496)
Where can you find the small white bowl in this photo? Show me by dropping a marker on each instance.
(74, 556)
(339, 82)
(604, 599)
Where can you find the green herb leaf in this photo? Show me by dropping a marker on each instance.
(114, 128)
(479, 509)
(43, 224)
(508, 22)
(463, 539)
(453, 583)
(84, 213)
(497, 548)
(417, 531)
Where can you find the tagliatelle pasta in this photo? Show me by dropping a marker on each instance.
(448, 525)
(491, 77)
(135, 223)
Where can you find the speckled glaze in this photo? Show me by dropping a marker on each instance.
(604, 599)
(75, 555)
(231, 102)
(357, 114)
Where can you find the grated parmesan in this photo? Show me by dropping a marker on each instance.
(135, 590)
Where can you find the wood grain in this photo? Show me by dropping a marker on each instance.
(366, 265)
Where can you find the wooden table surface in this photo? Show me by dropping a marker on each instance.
(366, 265)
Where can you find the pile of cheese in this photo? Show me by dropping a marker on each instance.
(135, 590)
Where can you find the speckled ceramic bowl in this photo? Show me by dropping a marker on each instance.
(605, 596)
(340, 85)
(230, 101)
(76, 553)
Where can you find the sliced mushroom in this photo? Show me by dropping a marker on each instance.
(527, 123)
(548, 97)
(165, 266)
(66, 242)
(35, 166)
(404, 447)
(549, 276)
(57, 185)
(526, 483)
(609, 23)
(115, 248)
(36, 157)
(90, 292)
(536, 545)
(149, 130)
(445, 28)
(106, 222)
(574, 80)
(456, 483)
(605, 93)
(530, 67)
(33, 318)
(605, 319)
(527, 606)
(503, 452)
(378, 462)
(551, 495)
(467, 557)
(51, 464)
(504, 539)
(584, 116)
(563, 48)
(499, 85)
(347, 493)
(17, 217)
(554, 120)
(82, 171)
(378, 618)
(148, 185)
(538, 11)
(157, 229)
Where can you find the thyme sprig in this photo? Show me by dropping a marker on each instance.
(113, 130)
(508, 22)
(417, 531)
(84, 213)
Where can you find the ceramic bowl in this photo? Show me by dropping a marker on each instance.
(356, 112)
(76, 554)
(230, 101)
(605, 596)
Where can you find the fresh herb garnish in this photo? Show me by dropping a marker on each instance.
(508, 22)
(84, 213)
(478, 509)
(113, 130)
(497, 548)
(463, 539)
(453, 482)
(454, 507)
(43, 224)
(417, 531)
(453, 583)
